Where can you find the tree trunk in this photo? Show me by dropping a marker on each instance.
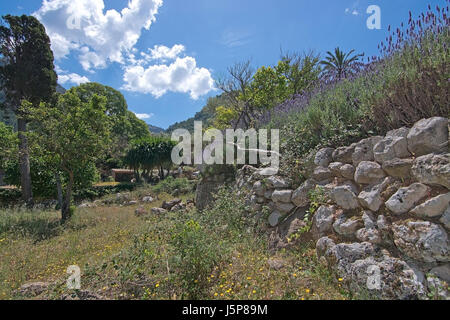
(65, 209)
(24, 162)
(59, 189)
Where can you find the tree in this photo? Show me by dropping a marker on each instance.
(124, 125)
(149, 153)
(74, 133)
(236, 89)
(28, 74)
(340, 64)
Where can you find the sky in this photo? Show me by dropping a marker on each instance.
(163, 55)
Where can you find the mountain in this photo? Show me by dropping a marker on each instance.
(206, 115)
(155, 129)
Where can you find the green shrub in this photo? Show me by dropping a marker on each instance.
(170, 184)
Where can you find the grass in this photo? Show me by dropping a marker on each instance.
(218, 254)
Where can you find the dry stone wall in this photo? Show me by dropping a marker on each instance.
(384, 230)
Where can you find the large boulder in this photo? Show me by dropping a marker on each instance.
(345, 197)
(422, 241)
(300, 196)
(394, 145)
(322, 174)
(370, 198)
(259, 188)
(322, 222)
(335, 168)
(428, 135)
(274, 218)
(406, 198)
(433, 207)
(398, 168)
(344, 154)
(282, 196)
(347, 226)
(433, 169)
(445, 219)
(284, 207)
(364, 150)
(276, 182)
(368, 172)
(324, 157)
(347, 171)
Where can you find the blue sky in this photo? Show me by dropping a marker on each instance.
(164, 54)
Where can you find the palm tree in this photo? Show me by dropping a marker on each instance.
(340, 64)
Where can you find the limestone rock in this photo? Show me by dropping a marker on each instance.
(343, 154)
(368, 235)
(433, 169)
(259, 188)
(370, 198)
(140, 211)
(394, 145)
(268, 194)
(158, 211)
(276, 182)
(364, 150)
(322, 174)
(428, 135)
(335, 168)
(445, 219)
(282, 196)
(300, 196)
(148, 199)
(284, 207)
(368, 172)
(275, 218)
(33, 288)
(398, 168)
(276, 264)
(168, 205)
(323, 221)
(433, 207)
(406, 198)
(347, 227)
(324, 157)
(422, 240)
(442, 272)
(345, 197)
(348, 171)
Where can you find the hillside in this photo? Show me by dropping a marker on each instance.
(154, 129)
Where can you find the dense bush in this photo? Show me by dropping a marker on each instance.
(95, 192)
(9, 196)
(171, 184)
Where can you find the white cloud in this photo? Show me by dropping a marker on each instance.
(101, 37)
(165, 53)
(143, 116)
(355, 12)
(182, 75)
(65, 77)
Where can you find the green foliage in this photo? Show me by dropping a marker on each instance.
(8, 144)
(96, 192)
(169, 185)
(28, 70)
(147, 153)
(9, 196)
(339, 65)
(224, 116)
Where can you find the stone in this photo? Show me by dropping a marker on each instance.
(259, 188)
(445, 219)
(368, 219)
(268, 194)
(300, 196)
(370, 198)
(433, 207)
(368, 235)
(322, 245)
(34, 288)
(428, 136)
(347, 227)
(442, 272)
(348, 171)
(140, 211)
(406, 198)
(322, 174)
(276, 182)
(433, 169)
(335, 168)
(284, 207)
(343, 154)
(168, 205)
(322, 221)
(158, 211)
(364, 150)
(368, 172)
(398, 168)
(394, 145)
(267, 172)
(324, 157)
(282, 196)
(422, 240)
(148, 199)
(274, 218)
(276, 264)
(344, 197)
